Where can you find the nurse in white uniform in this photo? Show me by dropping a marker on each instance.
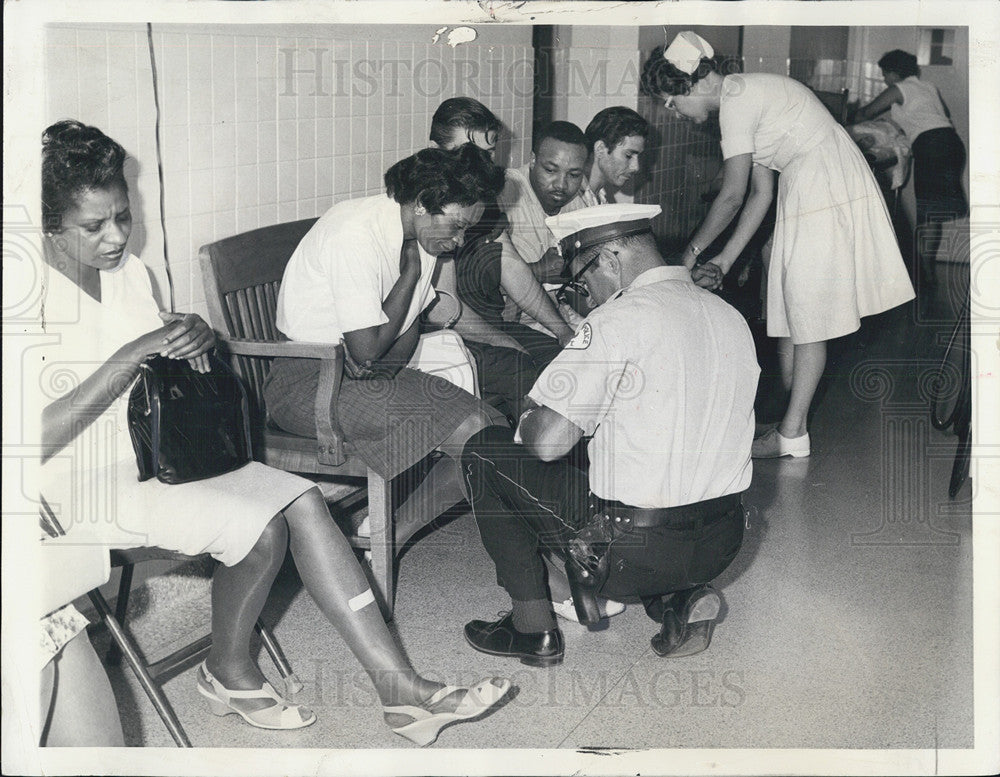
(834, 258)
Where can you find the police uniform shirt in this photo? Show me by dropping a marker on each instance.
(663, 377)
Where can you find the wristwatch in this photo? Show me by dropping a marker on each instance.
(694, 250)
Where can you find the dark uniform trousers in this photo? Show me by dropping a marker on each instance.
(524, 506)
(506, 375)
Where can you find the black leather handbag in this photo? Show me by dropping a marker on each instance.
(186, 425)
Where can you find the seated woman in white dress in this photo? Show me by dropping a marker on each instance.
(99, 302)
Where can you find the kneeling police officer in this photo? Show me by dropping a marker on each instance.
(660, 382)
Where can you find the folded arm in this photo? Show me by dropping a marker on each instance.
(372, 343)
(548, 269)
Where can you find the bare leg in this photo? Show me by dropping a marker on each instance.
(337, 584)
(77, 700)
(786, 361)
(455, 444)
(809, 361)
(238, 596)
(444, 486)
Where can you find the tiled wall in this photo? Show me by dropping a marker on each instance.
(826, 75)
(865, 81)
(260, 127)
(681, 163)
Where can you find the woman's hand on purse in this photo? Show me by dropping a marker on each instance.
(188, 337)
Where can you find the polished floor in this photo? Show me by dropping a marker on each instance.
(847, 620)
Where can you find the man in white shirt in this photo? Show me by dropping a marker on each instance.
(661, 378)
(485, 271)
(549, 184)
(616, 138)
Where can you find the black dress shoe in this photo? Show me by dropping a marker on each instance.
(688, 622)
(500, 638)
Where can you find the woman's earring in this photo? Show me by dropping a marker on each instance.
(419, 210)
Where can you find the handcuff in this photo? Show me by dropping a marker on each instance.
(458, 308)
(695, 251)
(520, 420)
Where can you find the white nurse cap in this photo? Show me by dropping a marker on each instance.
(587, 227)
(686, 51)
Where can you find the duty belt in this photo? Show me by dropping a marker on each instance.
(690, 516)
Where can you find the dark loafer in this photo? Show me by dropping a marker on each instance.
(688, 622)
(500, 638)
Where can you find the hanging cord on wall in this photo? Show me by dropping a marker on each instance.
(159, 164)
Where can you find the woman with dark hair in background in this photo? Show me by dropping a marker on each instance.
(363, 274)
(99, 300)
(938, 153)
(834, 258)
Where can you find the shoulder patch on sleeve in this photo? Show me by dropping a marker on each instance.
(581, 340)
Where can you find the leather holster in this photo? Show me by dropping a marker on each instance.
(588, 566)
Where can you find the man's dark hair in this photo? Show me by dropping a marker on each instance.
(900, 62)
(613, 125)
(435, 178)
(462, 113)
(76, 158)
(563, 131)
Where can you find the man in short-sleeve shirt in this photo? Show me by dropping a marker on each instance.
(616, 138)
(549, 184)
(661, 378)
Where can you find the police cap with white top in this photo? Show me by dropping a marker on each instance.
(581, 229)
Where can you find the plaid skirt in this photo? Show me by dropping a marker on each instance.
(391, 423)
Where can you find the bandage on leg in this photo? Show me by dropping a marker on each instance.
(361, 600)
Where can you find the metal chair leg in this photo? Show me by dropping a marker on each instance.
(131, 654)
(114, 654)
(292, 683)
